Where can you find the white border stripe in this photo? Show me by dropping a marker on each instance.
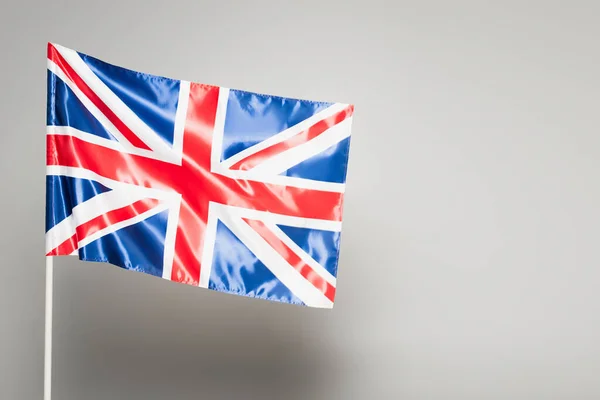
(90, 138)
(210, 236)
(133, 122)
(284, 135)
(318, 268)
(180, 117)
(170, 235)
(285, 160)
(292, 279)
(217, 139)
(279, 219)
(97, 140)
(82, 173)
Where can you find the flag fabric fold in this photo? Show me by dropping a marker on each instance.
(224, 189)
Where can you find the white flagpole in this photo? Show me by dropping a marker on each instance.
(48, 330)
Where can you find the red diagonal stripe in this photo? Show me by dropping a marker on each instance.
(113, 217)
(296, 140)
(101, 222)
(59, 60)
(293, 259)
(65, 248)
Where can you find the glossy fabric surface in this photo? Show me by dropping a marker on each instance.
(230, 190)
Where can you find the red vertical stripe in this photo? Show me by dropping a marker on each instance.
(193, 214)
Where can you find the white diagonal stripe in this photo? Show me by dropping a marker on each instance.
(123, 224)
(88, 210)
(283, 180)
(60, 232)
(210, 235)
(124, 113)
(285, 160)
(292, 279)
(93, 139)
(318, 268)
(284, 135)
(82, 173)
(279, 219)
(91, 107)
(100, 141)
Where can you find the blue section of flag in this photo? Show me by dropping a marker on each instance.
(64, 192)
(252, 118)
(236, 269)
(321, 245)
(329, 165)
(138, 247)
(153, 98)
(65, 109)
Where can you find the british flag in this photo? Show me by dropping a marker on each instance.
(225, 189)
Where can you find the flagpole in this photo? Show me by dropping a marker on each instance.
(48, 330)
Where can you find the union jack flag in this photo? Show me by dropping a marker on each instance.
(225, 189)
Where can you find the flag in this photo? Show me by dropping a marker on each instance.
(224, 189)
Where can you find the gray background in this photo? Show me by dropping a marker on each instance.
(469, 264)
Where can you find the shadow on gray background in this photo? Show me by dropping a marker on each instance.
(170, 339)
